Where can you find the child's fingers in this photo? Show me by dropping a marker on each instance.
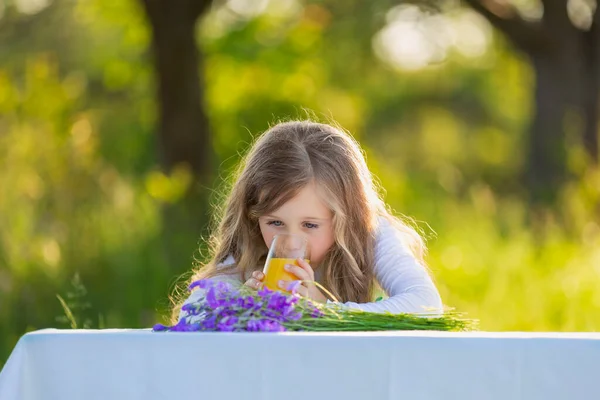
(253, 283)
(300, 272)
(305, 266)
(259, 276)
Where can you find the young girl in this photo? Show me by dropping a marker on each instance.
(311, 179)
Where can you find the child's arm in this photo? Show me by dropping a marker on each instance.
(407, 283)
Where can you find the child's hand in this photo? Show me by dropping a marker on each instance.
(304, 272)
(255, 282)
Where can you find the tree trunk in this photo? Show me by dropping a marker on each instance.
(590, 110)
(566, 63)
(183, 128)
(183, 134)
(547, 156)
(565, 101)
(592, 90)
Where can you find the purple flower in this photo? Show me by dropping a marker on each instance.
(276, 300)
(191, 308)
(270, 314)
(209, 323)
(211, 298)
(227, 324)
(252, 325)
(272, 326)
(220, 294)
(184, 326)
(220, 286)
(291, 314)
(202, 284)
(294, 286)
(224, 312)
(225, 309)
(316, 313)
(160, 328)
(257, 325)
(265, 291)
(249, 302)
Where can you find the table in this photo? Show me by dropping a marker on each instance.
(140, 364)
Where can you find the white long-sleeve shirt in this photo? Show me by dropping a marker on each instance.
(405, 281)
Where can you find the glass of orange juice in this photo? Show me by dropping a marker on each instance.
(285, 249)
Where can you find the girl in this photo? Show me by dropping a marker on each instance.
(311, 179)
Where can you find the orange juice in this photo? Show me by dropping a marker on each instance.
(274, 272)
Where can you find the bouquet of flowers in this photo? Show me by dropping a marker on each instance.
(227, 309)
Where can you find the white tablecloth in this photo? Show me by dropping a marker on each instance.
(139, 364)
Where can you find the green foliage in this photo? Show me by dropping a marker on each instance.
(81, 190)
(76, 307)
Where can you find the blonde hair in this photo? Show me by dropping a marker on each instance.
(282, 161)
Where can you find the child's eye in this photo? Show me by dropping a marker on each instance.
(311, 226)
(275, 223)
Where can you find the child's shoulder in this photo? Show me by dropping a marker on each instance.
(228, 262)
(384, 226)
(388, 233)
(228, 269)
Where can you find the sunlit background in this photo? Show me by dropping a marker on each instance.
(441, 100)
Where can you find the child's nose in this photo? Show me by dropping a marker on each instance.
(297, 233)
(302, 237)
(297, 245)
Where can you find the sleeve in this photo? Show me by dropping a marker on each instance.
(401, 276)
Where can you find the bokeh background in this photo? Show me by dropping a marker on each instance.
(121, 119)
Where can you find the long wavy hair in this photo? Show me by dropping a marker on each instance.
(282, 161)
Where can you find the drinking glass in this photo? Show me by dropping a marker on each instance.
(285, 249)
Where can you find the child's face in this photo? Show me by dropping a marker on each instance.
(305, 215)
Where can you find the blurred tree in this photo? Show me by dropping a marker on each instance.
(564, 50)
(183, 129)
(183, 132)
